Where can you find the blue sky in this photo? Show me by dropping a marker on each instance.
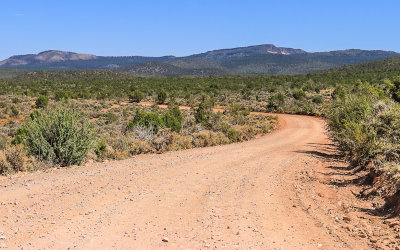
(183, 27)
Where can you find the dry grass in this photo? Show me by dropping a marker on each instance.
(14, 159)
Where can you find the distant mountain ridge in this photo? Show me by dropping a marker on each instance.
(259, 59)
(46, 57)
(264, 49)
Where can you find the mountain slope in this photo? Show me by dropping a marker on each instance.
(260, 59)
(155, 68)
(385, 66)
(300, 63)
(264, 49)
(45, 57)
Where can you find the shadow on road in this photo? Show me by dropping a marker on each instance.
(346, 174)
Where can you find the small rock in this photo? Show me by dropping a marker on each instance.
(373, 240)
(165, 239)
(348, 228)
(394, 223)
(346, 219)
(376, 233)
(319, 245)
(2, 237)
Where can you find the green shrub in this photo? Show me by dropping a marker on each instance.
(147, 120)
(175, 111)
(14, 111)
(101, 148)
(130, 126)
(299, 94)
(338, 92)
(60, 95)
(358, 122)
(276, 101)
(139, 115)
(15, 100)
(19, 136)
(42, 101)
(173, 119)
(161, 96)
(317, 100)
(61, 136)
(395, 89)
(245, 112)
(136, 96)
(111, 118)
(202, 115)
(234, 108)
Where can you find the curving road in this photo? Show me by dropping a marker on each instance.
(236, 196)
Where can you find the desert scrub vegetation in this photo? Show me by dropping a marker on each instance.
(152, 129)
(60, 135)
(14, 159)
(122, 128)
(365, 123)
(252, 92)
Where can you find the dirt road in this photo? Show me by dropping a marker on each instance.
(238, 196)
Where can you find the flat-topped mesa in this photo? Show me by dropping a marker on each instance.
(49, 56)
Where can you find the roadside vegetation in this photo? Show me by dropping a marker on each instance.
(59, 133)
(365, 122)
(62, 118)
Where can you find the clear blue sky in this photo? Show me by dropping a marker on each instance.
(183, 27)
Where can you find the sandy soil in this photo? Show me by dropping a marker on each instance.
(273, 192)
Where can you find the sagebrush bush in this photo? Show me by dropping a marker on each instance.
(208, 138)
(231, 133)
(139, 147)
(5, 166)
(144, 133)
(3, 141)
(62, 136)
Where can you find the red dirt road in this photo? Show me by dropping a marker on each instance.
(238, 196)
